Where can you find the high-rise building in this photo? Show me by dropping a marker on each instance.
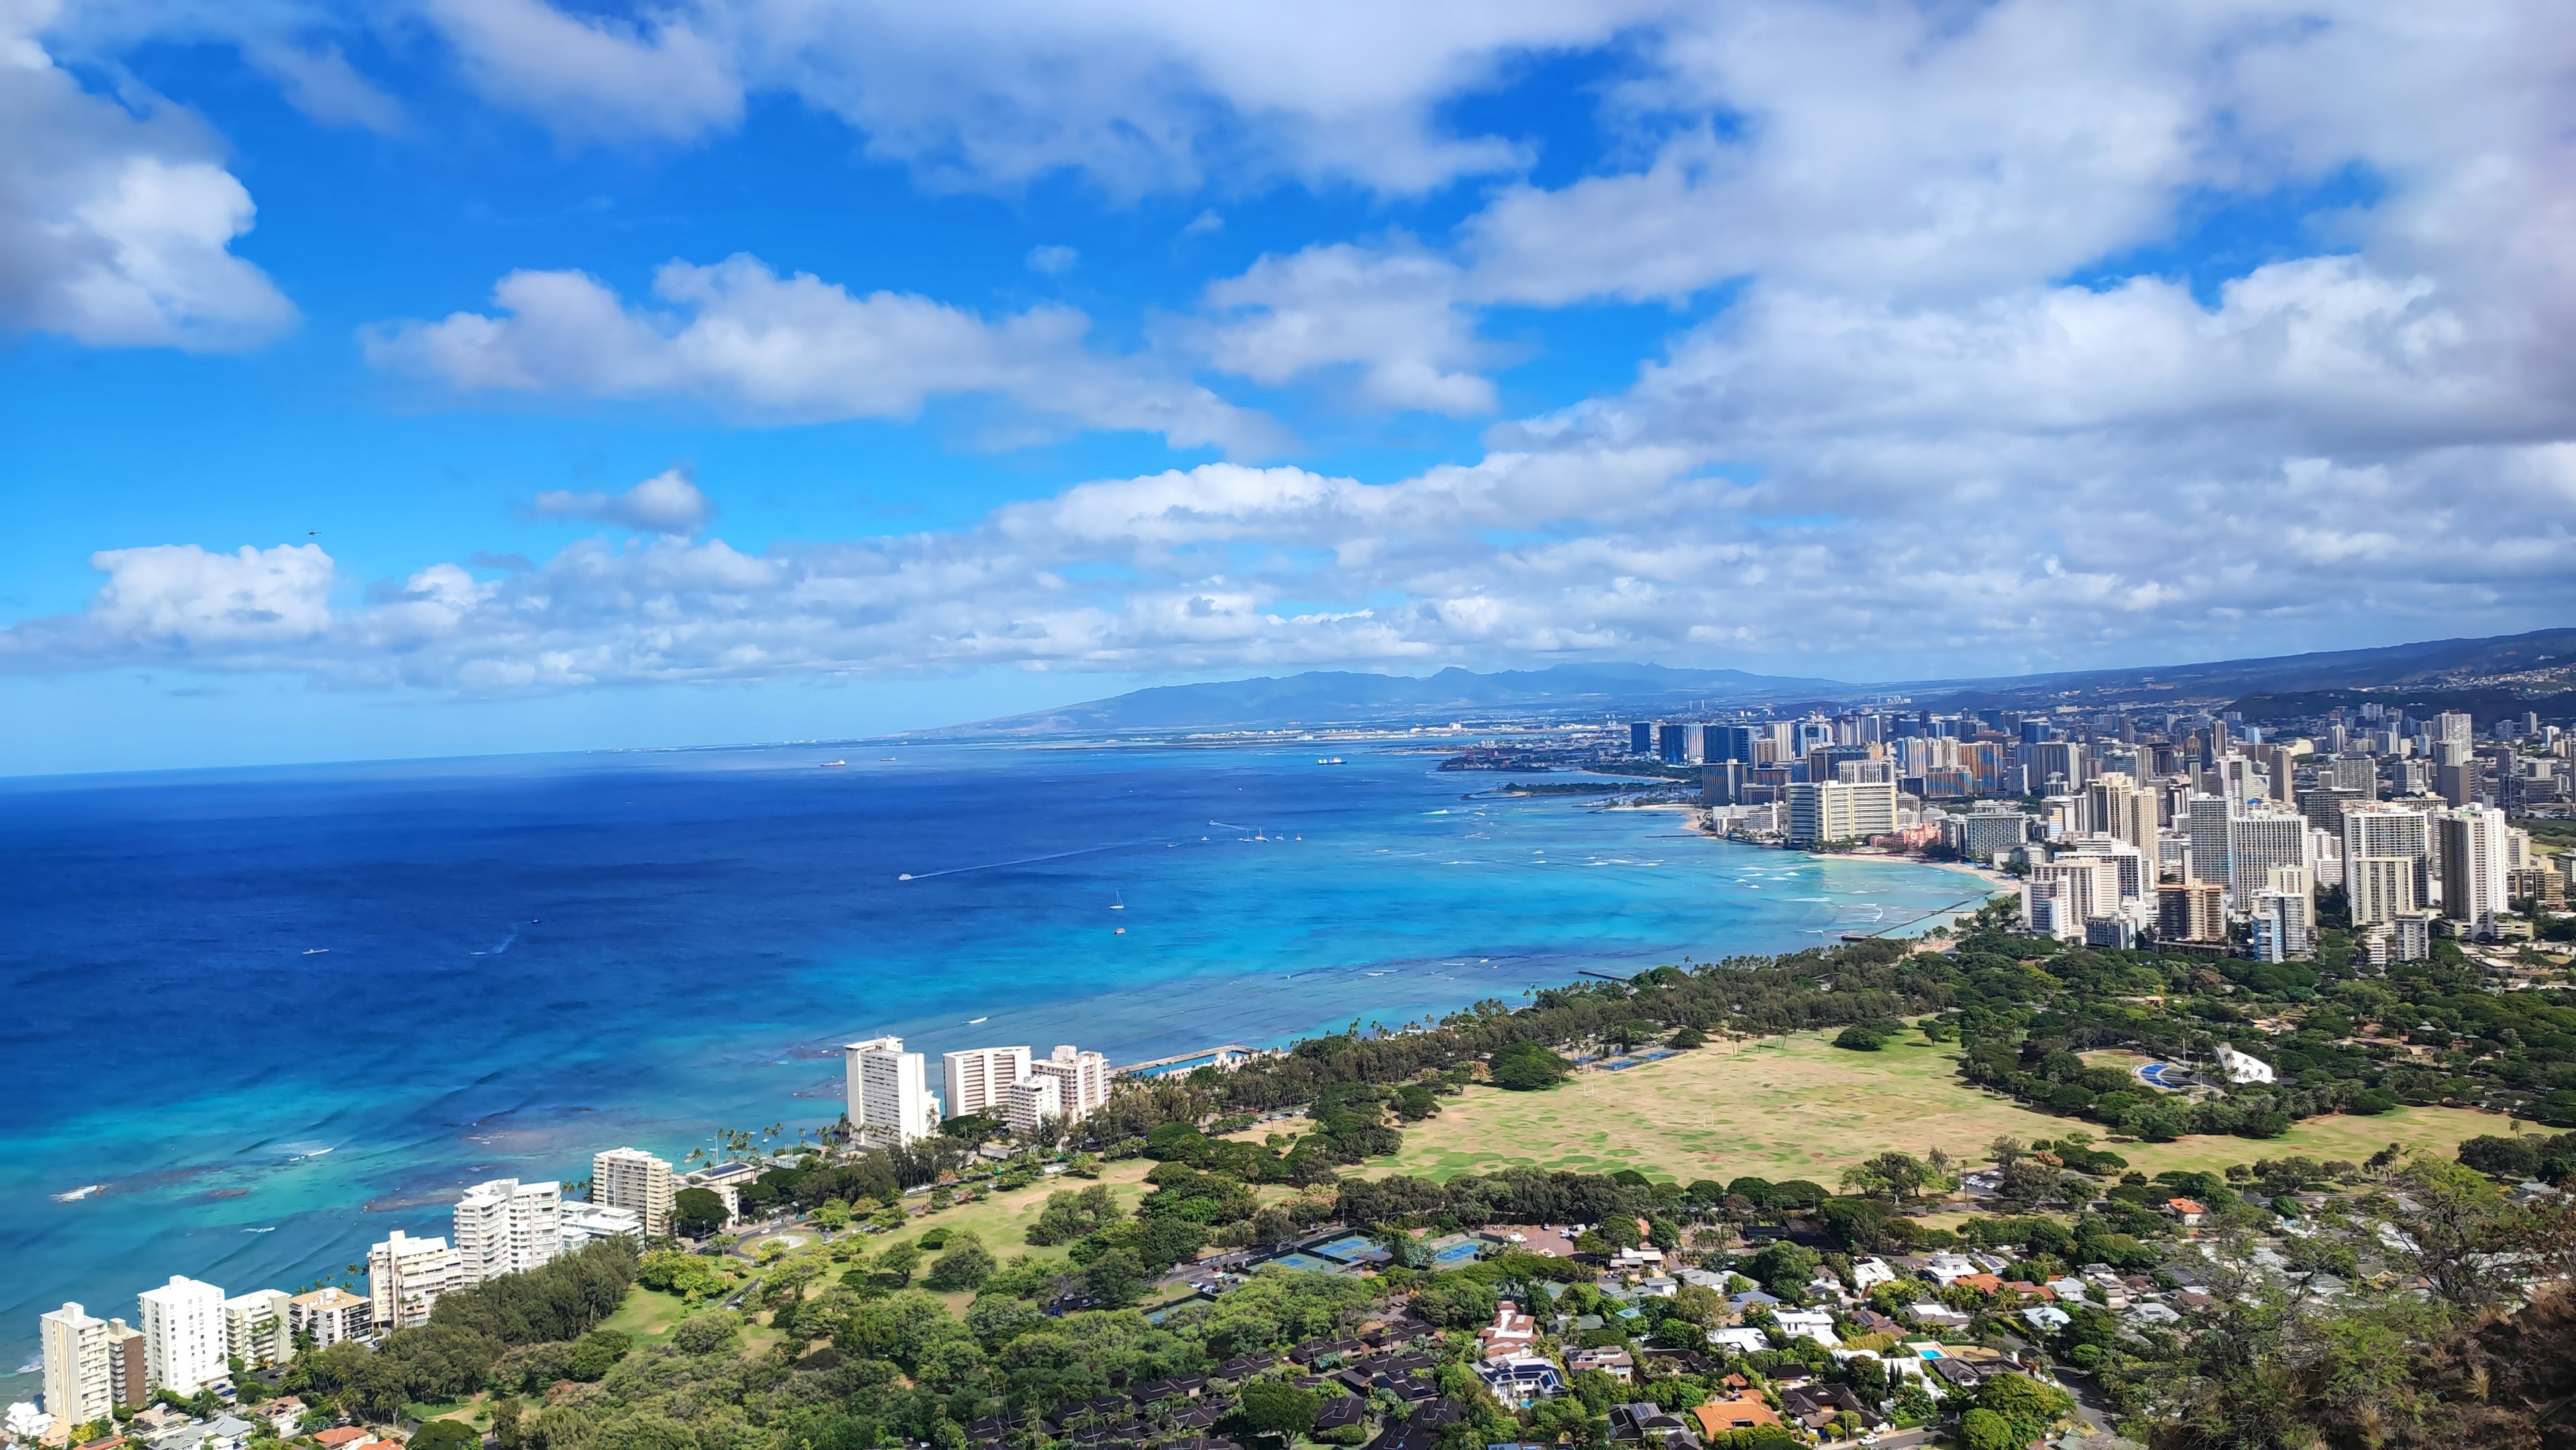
(890, 1099)
(1723, 782)
(331, 1315)
(1983, 835)
(2115, 805)
(1031, 1100)
(633, 1179)
(183, 1335)
(406, 1275)
(1732, 742)
(2088, 887)
(506, 1227)
(1821, 811)
(1678, 743)
(2204, 821)
(2191, 911)
(2259, 840)
(91, 1366)
(977, 1078)
(1641, 737)
(2380, 887)
(2281, 767)
(2474, 887)
(2453, 727)
(1082, 1078)
(256, 1330)
(2355, 773)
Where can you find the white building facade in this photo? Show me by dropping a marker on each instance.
(506, 1227)
(890, 1099)
(978, 1078)
(632, 1179)
(405, 1276)
(183, 1335)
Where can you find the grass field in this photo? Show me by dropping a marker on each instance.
(1795, 1107)
(646, 1315)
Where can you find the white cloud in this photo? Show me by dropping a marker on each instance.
(798, 348)
(180, 596)
(1392, 314)
(1142, 95)
(596, 79)
(666, 503)
(1053, 261)
(115, 226)
(320, 82)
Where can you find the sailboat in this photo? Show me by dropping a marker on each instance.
(1117, 901)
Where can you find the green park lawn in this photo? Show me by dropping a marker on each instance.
(1796, 1107)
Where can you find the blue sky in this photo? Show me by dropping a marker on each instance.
(485, 375)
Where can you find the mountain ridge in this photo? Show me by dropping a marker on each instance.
(1352, 698)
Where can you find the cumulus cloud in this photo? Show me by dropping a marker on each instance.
(1052, 260)
(1138, 96)
(799, 349)
(666, 503)
(116, 225)
(1391, 315)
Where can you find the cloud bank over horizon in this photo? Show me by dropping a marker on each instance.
(2027, 337)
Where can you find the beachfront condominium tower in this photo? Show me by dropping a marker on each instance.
(2260, 839)
(977, 1078)
(405, 1276)
(255, 1328)
(890, 1098)
(1840, 811)
(506, 1227)
(91, 1366)
(331, 1315)
(1082, 1080)
(183, 1335)
(1030, 1101)
(632, 1179)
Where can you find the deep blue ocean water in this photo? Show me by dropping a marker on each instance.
(265, 1016)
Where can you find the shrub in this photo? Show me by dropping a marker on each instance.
(1528, 1067)
(1860, 1038)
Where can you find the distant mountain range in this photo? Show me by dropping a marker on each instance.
(1320, 698)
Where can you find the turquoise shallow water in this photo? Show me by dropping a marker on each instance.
(269, 1015)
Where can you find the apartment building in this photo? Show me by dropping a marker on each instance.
(506, 1227)
(405, 1276)
(632, 1179)
(331, 1316)
(1082, 1080)
(183, 1335)
(91, 1366)
(256, 1331)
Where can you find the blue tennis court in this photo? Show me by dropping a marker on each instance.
(1343, 1250)
(1451, 1252)
(1304, 1263)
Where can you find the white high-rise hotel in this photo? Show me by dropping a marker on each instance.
(506, 1227)
(980, 1078)
(890, 1099)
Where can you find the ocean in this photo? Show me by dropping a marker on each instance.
(257, 1018)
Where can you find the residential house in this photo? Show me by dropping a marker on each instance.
(2185, 1211)
(1741, 1338)
(1521, 1379)
(1746, 1411)
(1818, 1406)
(2046, 1318)
(1936, 1316)
(1650, 1424)
(1616, 1363)
(1868, 1274)
(1510, 1333)
(1813, 1324)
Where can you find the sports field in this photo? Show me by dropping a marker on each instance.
(1795, 1107)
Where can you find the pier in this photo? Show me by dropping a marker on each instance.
(1232, 1054)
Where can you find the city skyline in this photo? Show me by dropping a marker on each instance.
(500, 377)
